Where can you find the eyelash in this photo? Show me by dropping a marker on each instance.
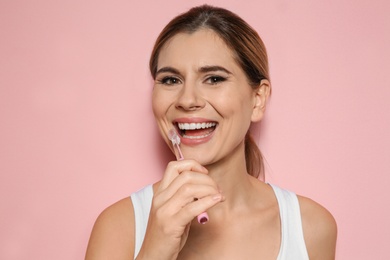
(214, 80)
(169, 80)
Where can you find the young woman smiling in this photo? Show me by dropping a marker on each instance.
(211, 83)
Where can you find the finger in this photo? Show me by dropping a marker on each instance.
(191, 210)
(187, 177)
(175, 168)
(188, 193)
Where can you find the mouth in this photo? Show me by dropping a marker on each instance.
(196, 130)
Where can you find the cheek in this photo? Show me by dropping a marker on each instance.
(158, 103)
(232, 105)
(155, 105)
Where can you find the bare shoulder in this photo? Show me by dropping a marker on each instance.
(112, 236)
(320, 229)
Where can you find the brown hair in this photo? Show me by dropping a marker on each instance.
(241, 38)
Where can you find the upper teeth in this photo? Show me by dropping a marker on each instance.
(193, 126)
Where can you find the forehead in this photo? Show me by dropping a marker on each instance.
(203, 47)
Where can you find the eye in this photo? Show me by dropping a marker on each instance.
(169, 80)
(215, 80)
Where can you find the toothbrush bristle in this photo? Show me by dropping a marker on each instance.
(172, 135)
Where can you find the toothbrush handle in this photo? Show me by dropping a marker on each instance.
(180, 155)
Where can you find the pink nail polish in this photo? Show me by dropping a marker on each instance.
(203, 218)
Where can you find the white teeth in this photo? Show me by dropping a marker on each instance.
(195, 137)
(193, 126)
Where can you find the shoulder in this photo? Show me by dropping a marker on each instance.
(320, 229)
(113, 233)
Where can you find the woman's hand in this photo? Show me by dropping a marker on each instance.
(184, 192)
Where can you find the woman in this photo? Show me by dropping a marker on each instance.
(211, 83)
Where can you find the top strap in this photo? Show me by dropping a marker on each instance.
(142, 202)
(292, 240)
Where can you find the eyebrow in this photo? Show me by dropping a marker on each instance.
(203, 69)
(168, 69)
(213, 68)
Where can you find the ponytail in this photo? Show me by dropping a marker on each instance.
(253, 157)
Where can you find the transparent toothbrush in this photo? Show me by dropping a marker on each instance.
(175, 139)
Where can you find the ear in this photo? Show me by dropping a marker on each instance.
(260, 98)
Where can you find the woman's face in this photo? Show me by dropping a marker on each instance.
(201, 91)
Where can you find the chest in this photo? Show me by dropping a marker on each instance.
(244, 239)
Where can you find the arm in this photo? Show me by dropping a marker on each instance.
(112, 236)
(173, 209)
(320, 230)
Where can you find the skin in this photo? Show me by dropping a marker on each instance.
(206, 83)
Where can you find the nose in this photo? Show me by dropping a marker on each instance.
(190, 98)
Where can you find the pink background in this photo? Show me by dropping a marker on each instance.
(77, 131)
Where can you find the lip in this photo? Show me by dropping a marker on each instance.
(197, 141)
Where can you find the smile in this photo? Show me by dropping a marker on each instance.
(196, 130)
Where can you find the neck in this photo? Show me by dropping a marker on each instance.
(232, 178)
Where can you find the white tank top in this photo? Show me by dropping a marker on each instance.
(292, 245)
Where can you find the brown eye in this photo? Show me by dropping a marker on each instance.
(215, 80)
(170, 81)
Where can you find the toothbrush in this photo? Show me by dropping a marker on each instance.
(175, 139)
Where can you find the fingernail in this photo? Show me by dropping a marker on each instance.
(203, 218)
